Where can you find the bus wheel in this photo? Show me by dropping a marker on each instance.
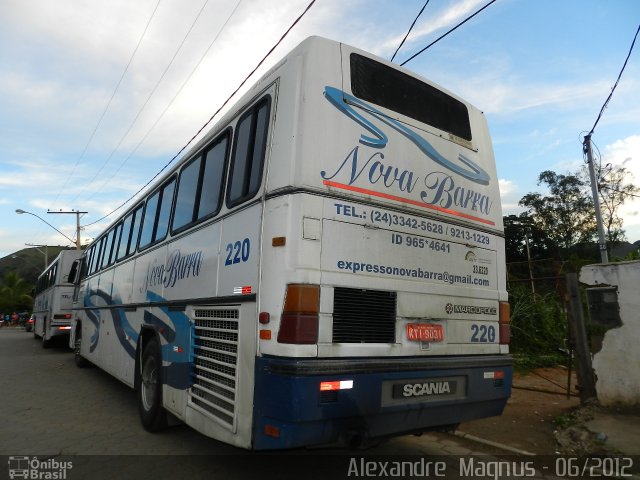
(45, 342)
(81, 362)
(152, 414)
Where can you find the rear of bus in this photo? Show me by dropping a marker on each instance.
(382, 305)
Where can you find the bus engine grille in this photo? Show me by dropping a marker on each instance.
(364, 316)
(215, 354)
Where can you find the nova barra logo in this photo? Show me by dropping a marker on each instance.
(178, 267)
(438, 189)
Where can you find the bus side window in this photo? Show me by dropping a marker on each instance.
(52, 275)
(95, 265)
(116, 243)
(156, 215)
(212, 177)
(183, 213)
(150, 208)
(107, 249)
(135, 230)
(248, 154)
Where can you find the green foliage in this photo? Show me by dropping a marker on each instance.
(524, 363)
(14, 293)
(538, 323)
(565, 421)
(566, 214)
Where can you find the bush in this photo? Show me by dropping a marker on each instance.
(538, 323)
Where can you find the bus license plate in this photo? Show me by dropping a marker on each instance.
(425, 332)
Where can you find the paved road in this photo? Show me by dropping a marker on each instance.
(51, 409)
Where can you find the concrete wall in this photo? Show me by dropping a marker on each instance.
(617, 364)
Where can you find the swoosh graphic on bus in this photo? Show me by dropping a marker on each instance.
(177, 371)
(123, 329)
(409, 201)
(339, 99)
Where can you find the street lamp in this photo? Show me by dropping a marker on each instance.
(20, 212)
(45, 253)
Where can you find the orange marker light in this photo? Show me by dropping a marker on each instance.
(265, 334)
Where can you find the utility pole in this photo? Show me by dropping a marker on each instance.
(526, 237)
(604, 256)
(77, 214)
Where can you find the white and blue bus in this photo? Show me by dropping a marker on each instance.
(53, 299)
(326, 266)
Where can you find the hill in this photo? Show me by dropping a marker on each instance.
(28, 262)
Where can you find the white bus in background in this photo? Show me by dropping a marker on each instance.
(326, 266)
(53, 299)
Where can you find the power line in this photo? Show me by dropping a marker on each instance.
(95, 129)
(409, 31)
(188, 78)
(284, 35)
(144, 105)
(447, 33)
(615, 84)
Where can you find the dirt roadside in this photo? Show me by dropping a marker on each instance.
(537, 408)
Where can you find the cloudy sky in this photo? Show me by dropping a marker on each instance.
(96, 97)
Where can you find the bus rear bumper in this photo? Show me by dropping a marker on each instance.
(357, 401)
(60, 329)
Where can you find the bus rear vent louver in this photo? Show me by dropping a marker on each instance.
(364, 316)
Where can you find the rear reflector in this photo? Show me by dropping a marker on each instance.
(64, 328)
(265, 334)
(504, 319)
(299, 320)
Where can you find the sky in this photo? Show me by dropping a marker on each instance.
(96, 97)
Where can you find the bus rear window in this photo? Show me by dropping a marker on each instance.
(377, 83)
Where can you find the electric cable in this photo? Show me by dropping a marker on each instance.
(106, 108)
(447, 33)
(212, 116)
(615, 84)
(146, 102)
(409, 31)
(184, 83)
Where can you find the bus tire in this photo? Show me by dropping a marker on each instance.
(149, 393)
(45, 343)
(79, 360)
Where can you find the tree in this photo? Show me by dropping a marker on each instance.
(614, 190)
(14, 293)
(520, 229)
(566, 215)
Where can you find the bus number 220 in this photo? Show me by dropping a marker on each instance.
(238, 252)
(483, 333)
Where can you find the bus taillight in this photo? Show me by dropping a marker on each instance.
(504, 319)
(62, 316)
(299, 320)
